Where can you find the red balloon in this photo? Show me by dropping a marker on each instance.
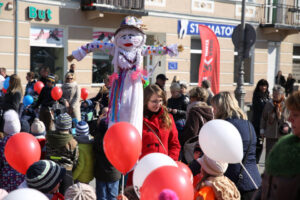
(167, 177)
(185, 169)
(84, 93)
(38, 86)
(21, 151)
(56, 93)
(4, 90)
(122, 146)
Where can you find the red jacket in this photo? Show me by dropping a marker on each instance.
(168, 137)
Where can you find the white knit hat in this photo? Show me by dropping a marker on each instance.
(38, 127)
(212, 167)
(12, 123)
(80, 191)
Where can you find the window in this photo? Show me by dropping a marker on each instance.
(101, 62)
(160, 3)
(50, 57)
(203, 5)
(296, 63)
(248, 67)
(195, 60)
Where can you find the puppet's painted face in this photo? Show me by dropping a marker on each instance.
(129, 39)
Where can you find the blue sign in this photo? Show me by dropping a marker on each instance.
(173, 65)
(221, 30)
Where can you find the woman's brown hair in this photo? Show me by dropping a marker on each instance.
(15, 84)
(293, 101)
(154, 89)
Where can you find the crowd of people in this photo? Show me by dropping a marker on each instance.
(71, 133)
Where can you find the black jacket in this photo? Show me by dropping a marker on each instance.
(281, 81)
(45, 99)
(104, 171)
(258, 103)
(12, 101)
(180, 104)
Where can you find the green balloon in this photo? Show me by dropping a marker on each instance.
(146, 83)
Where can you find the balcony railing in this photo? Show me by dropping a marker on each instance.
(125, 4)
(281, 14)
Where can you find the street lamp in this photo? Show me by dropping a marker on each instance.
(240, 91)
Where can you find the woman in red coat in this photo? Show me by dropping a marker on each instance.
(159, 129)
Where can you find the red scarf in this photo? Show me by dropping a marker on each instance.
(58, 196)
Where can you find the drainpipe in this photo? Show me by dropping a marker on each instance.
(16, 38)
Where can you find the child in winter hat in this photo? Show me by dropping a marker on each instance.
(9, 177)
(62, 148)
(38, 130)
(80, 191)
(214, 181)
(84, 171)
(45, 176)
(12, 123)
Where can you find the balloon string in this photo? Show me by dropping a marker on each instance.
(122, 192)
(249, 175)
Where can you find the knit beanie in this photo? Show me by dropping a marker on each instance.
(51, 78)
(25, 127)
(3, 193)
(80, 191)
(38, 127)
(82, 128)
(167, 194)
(44, 175)
(12, 123)
(212, 167)
(63, 122)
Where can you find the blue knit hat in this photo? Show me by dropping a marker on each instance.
(82, 128)
(63, 122)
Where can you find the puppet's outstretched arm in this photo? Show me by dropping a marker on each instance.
(171, 50)
(81, 52)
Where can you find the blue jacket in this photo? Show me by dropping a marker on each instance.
(245, 184)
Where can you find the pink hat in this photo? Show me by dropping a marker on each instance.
(168, 194)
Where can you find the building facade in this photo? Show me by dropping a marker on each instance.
(50, 30)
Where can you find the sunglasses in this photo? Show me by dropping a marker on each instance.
(69, 78)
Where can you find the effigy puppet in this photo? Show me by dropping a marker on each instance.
(127, 49)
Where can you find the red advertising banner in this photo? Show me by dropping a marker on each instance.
(209, 68)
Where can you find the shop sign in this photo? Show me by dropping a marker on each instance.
(192, 28)
(46, 37)
(34, 13)
(1, 4)
(172, 65)
(103, 36)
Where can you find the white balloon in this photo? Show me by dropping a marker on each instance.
(26, 194)
(148, 164)
(221, 141)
